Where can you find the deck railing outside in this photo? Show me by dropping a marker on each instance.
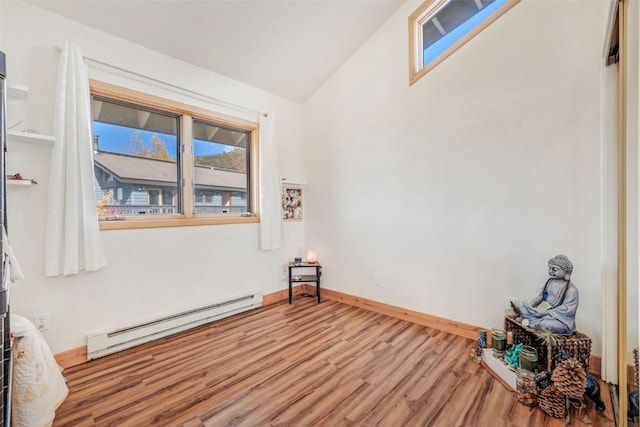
(125, 210)
(218, 209)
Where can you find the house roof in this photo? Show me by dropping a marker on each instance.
(144, 171)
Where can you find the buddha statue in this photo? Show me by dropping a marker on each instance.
(554, 309)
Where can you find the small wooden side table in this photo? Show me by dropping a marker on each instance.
(307, 278)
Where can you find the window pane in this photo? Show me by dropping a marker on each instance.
(452, 22)
(221, 165)
(135, 160)
(154, 197)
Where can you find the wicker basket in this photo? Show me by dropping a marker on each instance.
(576, 345)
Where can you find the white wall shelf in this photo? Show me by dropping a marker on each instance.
(20, 182)
(31, 138)
(17, 91)
(293, 182)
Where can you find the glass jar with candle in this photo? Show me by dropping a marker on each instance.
(482, 338)
(526, 388)
(529, 359)
(498, 342)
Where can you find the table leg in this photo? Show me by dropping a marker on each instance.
(290, 287)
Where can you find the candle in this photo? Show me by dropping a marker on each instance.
(312, 257)
(498, 342)
(529, 359)
(482, 338)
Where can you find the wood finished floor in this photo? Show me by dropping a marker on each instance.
(304, 364)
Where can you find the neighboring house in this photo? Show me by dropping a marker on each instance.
(139, 185)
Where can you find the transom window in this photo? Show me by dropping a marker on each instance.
(162, 163)
(440, 27)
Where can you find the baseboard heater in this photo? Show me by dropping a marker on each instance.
(104, 343)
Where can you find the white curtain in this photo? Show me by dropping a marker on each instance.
(73, 237)
(270, 186)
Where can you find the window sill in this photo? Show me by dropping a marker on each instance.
(132, 223)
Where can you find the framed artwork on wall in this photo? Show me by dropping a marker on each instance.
(291, 203)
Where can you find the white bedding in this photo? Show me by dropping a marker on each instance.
(38, 385)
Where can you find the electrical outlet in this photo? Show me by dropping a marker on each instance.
(41, 321)
(284, 272)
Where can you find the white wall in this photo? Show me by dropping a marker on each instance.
(458, 189)
(153, 271)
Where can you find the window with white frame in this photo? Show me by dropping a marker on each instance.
(440, 27)
(163, 163)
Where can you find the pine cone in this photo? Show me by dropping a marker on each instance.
(635, 357)
(570, 378)
(552, 402)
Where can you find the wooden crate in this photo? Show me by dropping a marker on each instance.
(577, 345)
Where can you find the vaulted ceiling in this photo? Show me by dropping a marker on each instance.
(287, 47)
